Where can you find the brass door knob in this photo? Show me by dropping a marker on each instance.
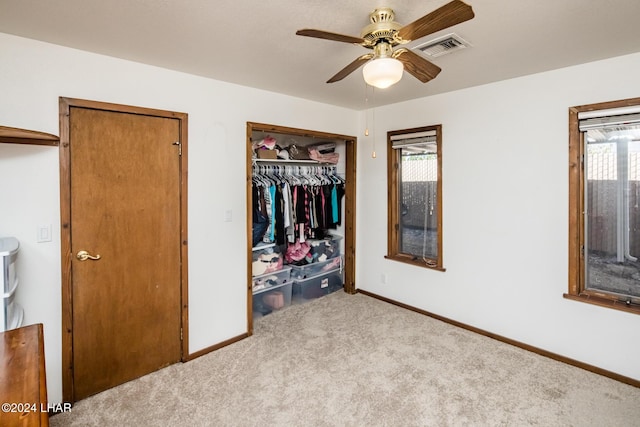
(84, 255)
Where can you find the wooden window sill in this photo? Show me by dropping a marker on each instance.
(417, 262)
(604, 302)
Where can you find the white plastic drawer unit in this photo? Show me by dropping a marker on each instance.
(9, 252)
(11, 313)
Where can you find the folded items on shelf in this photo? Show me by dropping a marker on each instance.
(298, 152)
(316, 155)
(268, 143)
(323, 147)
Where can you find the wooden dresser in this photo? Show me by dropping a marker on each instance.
(23, 389)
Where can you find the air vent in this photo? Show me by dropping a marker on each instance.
(443, 45)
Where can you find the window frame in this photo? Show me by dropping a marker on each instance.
(394, 206)
(576, 289)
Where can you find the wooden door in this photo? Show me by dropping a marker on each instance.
(124, 172)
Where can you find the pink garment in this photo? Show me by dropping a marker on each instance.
(296, 251)
(268, 143)
(324, 158)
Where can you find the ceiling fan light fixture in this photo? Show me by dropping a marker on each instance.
(383, 72)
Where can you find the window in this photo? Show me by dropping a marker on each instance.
(604, 215)
(414, 168)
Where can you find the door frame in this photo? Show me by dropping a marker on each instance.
(349, 204)
(65, 105)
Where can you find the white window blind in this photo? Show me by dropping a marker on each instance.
(425, 140)
(599, 119)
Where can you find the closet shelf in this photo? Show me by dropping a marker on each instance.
(22, 136)
(292, 162)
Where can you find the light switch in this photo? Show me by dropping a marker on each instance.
(228, 215)
(43, 233)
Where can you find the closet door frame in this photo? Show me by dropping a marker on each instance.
(349, 202)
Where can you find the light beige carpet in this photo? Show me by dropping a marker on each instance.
(351, 360)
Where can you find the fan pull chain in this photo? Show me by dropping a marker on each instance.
(366, 117)
(366, 110)
(373, 120)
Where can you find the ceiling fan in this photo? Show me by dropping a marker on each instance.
(385, 65)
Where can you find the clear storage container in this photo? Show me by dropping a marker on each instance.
(8, 253)
(269, 280)
(272, 299)
(317, 286)
(313, 269)
(323, 249)
(266, 258)
(10, 312)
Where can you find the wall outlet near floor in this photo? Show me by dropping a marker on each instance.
(383, 278)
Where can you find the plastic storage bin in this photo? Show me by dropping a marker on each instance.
(9, 253)
(310, 270)
(272, 299)
(323, 249)
(16, 316)
(269, 280)
(10, 312)
(266, 259)
(317, 286)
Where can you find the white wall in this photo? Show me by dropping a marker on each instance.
(505, 213)
(32, 77)
(505, 189)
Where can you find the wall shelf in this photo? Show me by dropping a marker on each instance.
(11, 135)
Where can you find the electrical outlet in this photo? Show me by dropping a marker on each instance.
(383, 278)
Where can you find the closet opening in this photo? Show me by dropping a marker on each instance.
(301, 217)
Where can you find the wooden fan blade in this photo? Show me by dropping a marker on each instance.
(448, 15)
(350, 68)
(416, 65)
(319, 34)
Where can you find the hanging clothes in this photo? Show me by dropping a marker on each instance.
(260, 217)
(300, 202)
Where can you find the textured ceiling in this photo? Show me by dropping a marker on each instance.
(253, 43)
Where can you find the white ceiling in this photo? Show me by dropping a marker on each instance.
(253, 43)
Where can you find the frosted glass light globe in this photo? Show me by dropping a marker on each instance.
(383, 72)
